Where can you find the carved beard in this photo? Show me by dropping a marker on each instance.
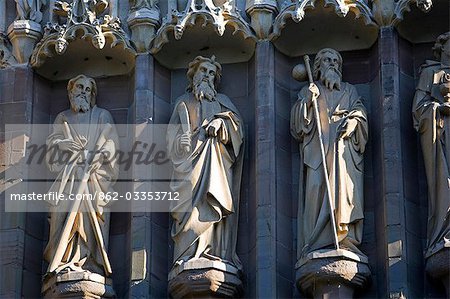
(331, 77)
(204, 90)
(79, 104)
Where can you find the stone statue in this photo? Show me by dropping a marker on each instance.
(431, 114)
(344, 133)
(205, 143)
(79, 230)
(30, 9)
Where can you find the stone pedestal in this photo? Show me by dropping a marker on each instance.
(438, 267)
(24, 35)
(84, 285)
(203, 278)
(143, 24)
(332, 273)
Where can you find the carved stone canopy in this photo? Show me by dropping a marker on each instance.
(430, 25)
(301, 26)
(203, 28)
(88, 42)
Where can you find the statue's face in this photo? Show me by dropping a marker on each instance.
(206, 72)
(60, 46)
(424, 5)
(98, 41)
(81, 95)
(330, 74)
(329, 60)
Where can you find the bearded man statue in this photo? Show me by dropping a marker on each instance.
(205, 143)
(82, 148)
(431, 115)
(345, 131)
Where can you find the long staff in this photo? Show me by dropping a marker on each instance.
(322, 151)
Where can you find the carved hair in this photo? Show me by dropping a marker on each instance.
(193, 67)
(71, 84)
(440, 41)
(318, 60)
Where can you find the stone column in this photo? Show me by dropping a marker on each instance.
(266, 261)
(20, 233)
(3, 16)
(24, 34)
(141, 234)
(396, 233)
(143, 24)
(149, 231)
(261, 13)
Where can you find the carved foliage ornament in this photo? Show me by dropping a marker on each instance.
(403, 6)
(6, 58)
(217, 15)
(83, 19)
(296, 12)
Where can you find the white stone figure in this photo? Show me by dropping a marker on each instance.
(205, 143)
(78, 241)
(431, 114)
(345, 131)
(30, 9)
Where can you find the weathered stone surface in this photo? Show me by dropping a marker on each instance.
(332, 274)
(23, 35)
(203, 278)
(77, 285)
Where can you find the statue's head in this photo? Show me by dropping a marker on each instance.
(204, 76)
(61, 45)
(328, 68)
(98, 41)
(82, 92)
(424, 5)
(442, 46)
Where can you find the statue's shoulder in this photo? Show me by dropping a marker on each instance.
(102, 114)
(183, 98)
(304, 89)
(226, 101)
(348, 87)
(429, 67)
(61, 116)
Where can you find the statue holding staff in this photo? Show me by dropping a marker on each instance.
(431, 115)
(331, 169)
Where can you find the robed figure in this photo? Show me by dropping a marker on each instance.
(431, 114)
(205, 143)
(82, 147)
(344, 126)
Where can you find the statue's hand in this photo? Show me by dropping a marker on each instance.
(185, 142)
(69, 145)
(348, 128)
(213, 127)
(97, 162)
(444, 109)
(313, 91)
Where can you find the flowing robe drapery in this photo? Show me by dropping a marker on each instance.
(82, 251)
(434, 130)
(208, 178)
(344, 162)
